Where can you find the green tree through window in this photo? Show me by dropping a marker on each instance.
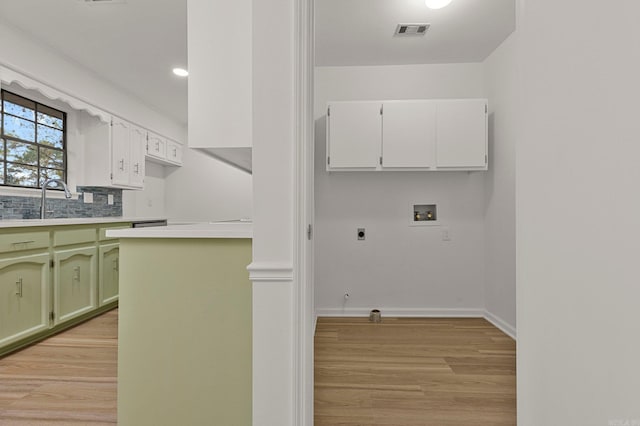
(32, 142)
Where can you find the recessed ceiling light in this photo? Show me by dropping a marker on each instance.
(181, 72)
(437, 4)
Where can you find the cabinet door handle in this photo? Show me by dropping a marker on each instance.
(19, 287)
(158, 146)
(121, 162)
(136, 168)
(17, 243)
(115, 265)
(76, 273)
(175, 151)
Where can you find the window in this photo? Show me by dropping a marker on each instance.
(33, 142)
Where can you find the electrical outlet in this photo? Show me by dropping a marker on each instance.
(361, 234)
(110, 199)
(446, 236)
(87, 197)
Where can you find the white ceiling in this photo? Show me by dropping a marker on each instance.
(134, 45)
(361, 32)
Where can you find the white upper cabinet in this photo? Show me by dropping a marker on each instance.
(409, 134)
(114, 154)
(219, 51)
(138, 143)
(436, 134)
(163, 151)
(174, 152)
(120, 161)
(462, 133)
(127, 150)
(354, 135)
(156, 146)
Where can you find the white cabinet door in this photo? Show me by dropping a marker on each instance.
(462, 133)
(138, 141)
(157, 146)
(120, 166)
(409, 134)
(354, 131)
(174, 152)
(127, 154)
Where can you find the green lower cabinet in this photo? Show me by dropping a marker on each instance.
(109, 255)
(54, 277)
(74, 282)
(24, 301)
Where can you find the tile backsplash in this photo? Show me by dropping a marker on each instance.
(20, 207)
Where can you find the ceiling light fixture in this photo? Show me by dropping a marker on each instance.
(180, 72)
(437, 4)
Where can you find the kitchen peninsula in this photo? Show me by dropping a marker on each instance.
(185, 319)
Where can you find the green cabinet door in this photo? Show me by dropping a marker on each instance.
(109, 272)
(75, 282)
(24, 302)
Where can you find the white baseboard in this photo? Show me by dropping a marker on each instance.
(504, 326)
(403, 312)
(501, 324)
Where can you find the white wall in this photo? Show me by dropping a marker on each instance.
(398, 268)
(150, 202)
(26, 55)
(205, 189)
(501, 87)
(578, 204)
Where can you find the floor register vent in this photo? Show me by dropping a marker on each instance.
(412, 29)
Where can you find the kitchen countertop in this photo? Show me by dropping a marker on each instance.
(234, 229)
(25, 223)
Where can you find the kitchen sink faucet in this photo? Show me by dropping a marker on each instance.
(67, 194)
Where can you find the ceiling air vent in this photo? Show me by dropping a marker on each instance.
(412, 29)
(103, 1)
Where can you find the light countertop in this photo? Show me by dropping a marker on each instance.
(239, 229)
(24, 223)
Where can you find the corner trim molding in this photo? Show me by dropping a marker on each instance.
(504, 326)
(270, 272)
(303, 292)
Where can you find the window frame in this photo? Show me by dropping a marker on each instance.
(6, 138)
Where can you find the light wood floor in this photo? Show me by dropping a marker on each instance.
(402, 372)
(410, 372)
(68, 379)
